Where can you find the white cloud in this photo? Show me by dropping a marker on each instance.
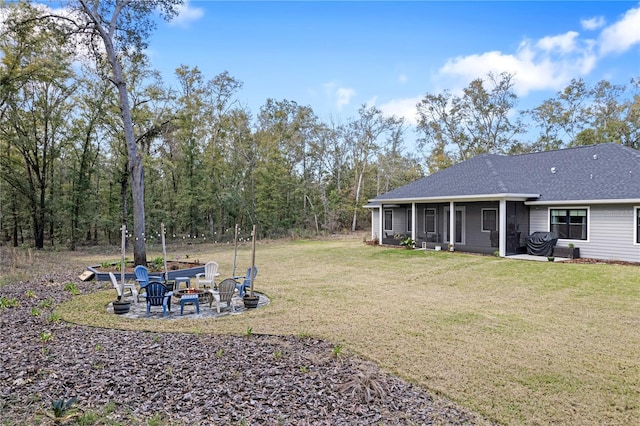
(564, 43)
(405, 108)
(548, 63)
(186, 15)
(620, 36)
(593, 23)
(340, 95)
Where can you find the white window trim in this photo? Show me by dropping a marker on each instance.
(482, 219)
(384, 222)
(567, 240)
(636, 211)
(435, 221)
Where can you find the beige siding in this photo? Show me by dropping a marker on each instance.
(610, 233)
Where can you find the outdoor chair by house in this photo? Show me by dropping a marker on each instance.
(246, 283)
(128, 290)
(157, 295)
(208, 278)
(225, 293)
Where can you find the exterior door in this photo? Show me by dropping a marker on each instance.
(459, 225)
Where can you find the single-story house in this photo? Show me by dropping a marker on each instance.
(587, 196)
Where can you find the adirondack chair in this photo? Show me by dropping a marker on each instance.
(157, 295)
(225, 293)
(142, 276)
(246, 283)
(208, 278)
(128, 287)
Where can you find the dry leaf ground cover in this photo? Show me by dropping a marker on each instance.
(519, 342)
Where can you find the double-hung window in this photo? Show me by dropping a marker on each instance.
(409, 220)
(570, 224)
(489, 220)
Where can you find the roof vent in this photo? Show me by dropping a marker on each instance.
(595, 156)
(553, 170)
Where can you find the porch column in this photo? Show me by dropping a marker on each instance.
(413, 221)
(452, 223)
(380, 223)
(502, 228)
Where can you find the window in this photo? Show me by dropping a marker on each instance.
(570, 224)
(388, 220)
(430, 220)
(409, 220)
(489, 220)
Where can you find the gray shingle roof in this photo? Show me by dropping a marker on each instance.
(596, 172)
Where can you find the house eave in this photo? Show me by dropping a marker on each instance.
(583, 202)
(455, 198)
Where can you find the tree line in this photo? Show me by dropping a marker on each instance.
(73, 167)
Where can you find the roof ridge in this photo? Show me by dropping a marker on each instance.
(495, 173)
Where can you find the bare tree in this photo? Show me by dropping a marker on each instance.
(117, 28)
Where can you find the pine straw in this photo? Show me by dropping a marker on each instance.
(520, 342)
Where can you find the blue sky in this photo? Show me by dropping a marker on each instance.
(337, 55)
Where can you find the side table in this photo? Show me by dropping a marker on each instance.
(189, 299)
(185, 280)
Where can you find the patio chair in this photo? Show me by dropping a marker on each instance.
(208, 278)
(143, 278)
(157, 295)
(130, 287)
(225, 293)
(246, 283)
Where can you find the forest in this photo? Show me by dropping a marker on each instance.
(91, 138)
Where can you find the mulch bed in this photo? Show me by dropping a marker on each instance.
(127, 377)
(587, 260)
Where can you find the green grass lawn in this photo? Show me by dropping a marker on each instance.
(519, 342)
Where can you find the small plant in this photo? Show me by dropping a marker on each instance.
(158, 262)
(105, 265)
(337, 350)
(551, 258)
(366, 385)
(53, 317)
(47, 303)
(496, 253)
(72, 288)
(99, 347)
(62, 410)
(249, 332)
(277, 354)
(571, 245)
(304, 335)
(35, 312)
(45, 336)
(219, 353)
(156, 338)
(304, 369)
(408, 242)
(30, 294)
(6, 302)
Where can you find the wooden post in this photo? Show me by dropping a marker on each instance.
(123, 243)
(235, 251)
(164, 255)
(253, 259)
